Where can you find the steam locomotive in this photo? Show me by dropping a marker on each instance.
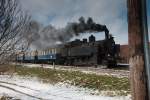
(87, 52)
(78, 53)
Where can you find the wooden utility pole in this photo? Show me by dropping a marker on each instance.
(138, 46)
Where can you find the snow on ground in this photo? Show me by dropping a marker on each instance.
(27, 88)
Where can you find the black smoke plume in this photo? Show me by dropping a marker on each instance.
(44, 37)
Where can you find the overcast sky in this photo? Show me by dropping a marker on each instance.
(112, 13)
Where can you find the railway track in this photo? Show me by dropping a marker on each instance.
(13, 87)
(15, 90)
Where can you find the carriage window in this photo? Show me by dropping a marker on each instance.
(55, 50)
(50, 51)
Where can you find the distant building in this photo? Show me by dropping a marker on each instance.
(124, 53)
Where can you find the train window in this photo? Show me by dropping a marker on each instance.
(46, 52)
(49, 51)
(55, 50)
(38, 52)
(52, 51)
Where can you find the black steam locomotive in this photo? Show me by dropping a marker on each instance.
(92, 52)
(76, 53)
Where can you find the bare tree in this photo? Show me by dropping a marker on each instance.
(13, 23)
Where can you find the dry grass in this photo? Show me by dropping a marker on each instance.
(7, 98)
(7, 70)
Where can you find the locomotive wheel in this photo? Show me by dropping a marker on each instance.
(111, 64)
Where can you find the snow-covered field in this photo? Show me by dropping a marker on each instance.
(27, 88)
